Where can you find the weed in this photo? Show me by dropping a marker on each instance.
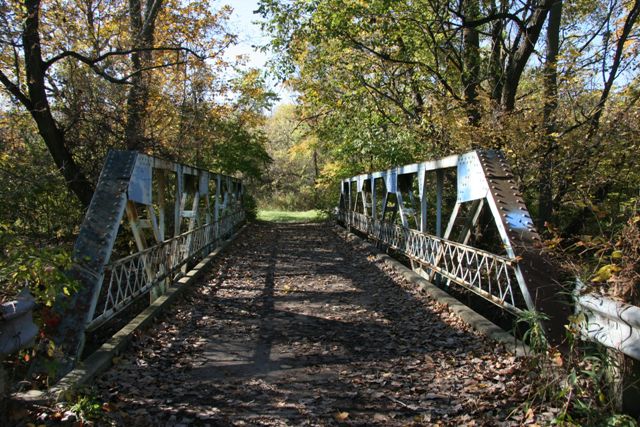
(86, 407)
(576, 383)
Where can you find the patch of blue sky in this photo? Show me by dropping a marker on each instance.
(243, 22)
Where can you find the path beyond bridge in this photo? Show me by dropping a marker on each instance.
(295, 326)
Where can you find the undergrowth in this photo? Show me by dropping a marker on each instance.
(289, 216)
(576, 383)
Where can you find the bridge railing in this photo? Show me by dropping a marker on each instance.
(489, 275)
(128, 278)
(489, 245)
(148, 220)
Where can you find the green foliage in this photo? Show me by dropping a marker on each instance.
(384, 83)
(292, 216)
(41, 269)
(41, 216)
(607, 264)
(87, 408)
(250, 207)
(33, 194)
(225, 138)
(575, 381)
(533, 334)
(618, 420)
(290, 181)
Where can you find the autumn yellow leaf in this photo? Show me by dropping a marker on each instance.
(605, 273)
(341, 416)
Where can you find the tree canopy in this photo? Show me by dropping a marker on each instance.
(80, 77)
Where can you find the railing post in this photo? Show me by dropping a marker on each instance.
(374, 200)
(439, 185)
(216, 208)
(162, 191)
(179, 202)
(423, 213)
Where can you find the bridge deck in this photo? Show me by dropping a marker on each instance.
(294, 326)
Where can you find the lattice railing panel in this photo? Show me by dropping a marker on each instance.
(134, 275)
(482, 272)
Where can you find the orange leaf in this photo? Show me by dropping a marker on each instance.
(341, 416)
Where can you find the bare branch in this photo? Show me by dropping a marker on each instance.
(92, 61)
(487, 19)
(15, 91)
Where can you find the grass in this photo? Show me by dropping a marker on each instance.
(286, 216)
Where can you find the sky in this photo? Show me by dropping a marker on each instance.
(242, 23)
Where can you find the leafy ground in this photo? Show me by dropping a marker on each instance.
(289, 216)
(294, 326)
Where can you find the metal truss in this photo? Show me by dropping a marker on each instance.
(167, 211)
(480, 271)
(393, 208)
(136, 274)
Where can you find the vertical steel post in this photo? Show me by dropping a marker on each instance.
(179, 202)
(374, 201)
(423, 210)
(216, 207)
(162, 191)
(207, 202)
(439, 185)
(193, 219)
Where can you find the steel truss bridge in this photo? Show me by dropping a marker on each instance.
(148, 222)
(489, 245)
(459, 220)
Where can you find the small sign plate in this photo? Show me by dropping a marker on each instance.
(140, 188)
(472, 183)
(203, 187)
(391, 180)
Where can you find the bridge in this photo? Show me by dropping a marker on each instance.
(273, 324)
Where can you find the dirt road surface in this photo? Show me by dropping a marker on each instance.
(295, 326)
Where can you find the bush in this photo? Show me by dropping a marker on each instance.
(250, 207)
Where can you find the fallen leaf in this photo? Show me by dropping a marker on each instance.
(341, 416)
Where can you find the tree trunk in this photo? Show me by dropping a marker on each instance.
(471, 61)
(40, 109)
(496, 58)
(545, 181)
(519, 58)
(143, 31)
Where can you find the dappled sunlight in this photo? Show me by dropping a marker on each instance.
(301, 326)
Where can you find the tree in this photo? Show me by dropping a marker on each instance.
(550, 121)
(143, 23)
(392, 82)
(36, 101)
(42, 44)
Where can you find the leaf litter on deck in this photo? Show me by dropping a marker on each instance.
(295, 326)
